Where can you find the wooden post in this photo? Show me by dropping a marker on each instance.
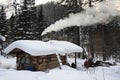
(76, 60)
(59, 60)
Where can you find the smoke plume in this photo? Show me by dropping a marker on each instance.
(100, 13)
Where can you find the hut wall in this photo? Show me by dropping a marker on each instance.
(63, 59)
(40, 63)
(49, 62)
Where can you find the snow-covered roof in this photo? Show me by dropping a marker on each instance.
(33, 47)
(68, 47)
(37, 48)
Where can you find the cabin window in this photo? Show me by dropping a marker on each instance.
(27, 60)
(23, 59)
(40, 60)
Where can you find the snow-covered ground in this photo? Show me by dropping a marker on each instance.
(66, 73)
(7, 63)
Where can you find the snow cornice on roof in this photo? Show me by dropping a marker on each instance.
(37, 48)
(32, 47)
(67, 46)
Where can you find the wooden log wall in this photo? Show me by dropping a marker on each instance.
(41, 63)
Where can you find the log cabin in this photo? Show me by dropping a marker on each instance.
(36, 55)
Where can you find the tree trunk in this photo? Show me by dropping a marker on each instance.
(91, 44)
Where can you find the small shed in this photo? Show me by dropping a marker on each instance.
(38, 55)
(33, 55)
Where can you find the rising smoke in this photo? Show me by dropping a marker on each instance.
(100, 13)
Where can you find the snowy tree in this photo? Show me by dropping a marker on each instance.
(3, 26)
(90, 2)
(73, 6)
(11, 28)
(25, 28)
(52, 12)
(41, 24)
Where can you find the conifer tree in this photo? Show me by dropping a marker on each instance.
(3, 26)
(25, 28)
(41, 22)
(12, 28)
